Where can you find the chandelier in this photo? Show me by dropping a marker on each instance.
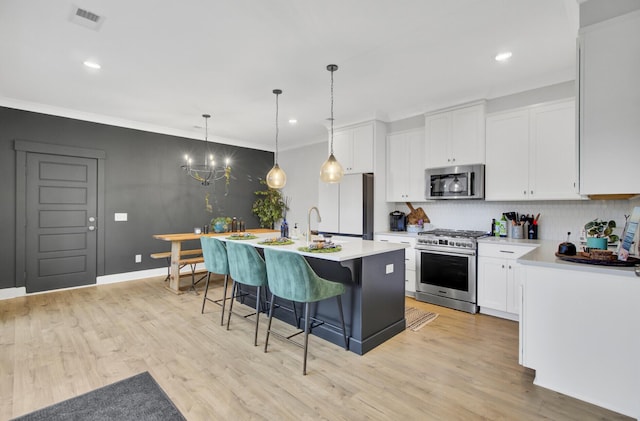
(206, 173)
(331, 171)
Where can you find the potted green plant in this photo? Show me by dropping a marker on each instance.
(269, 207)
(600, 233)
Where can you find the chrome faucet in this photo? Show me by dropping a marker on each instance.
(309, 223)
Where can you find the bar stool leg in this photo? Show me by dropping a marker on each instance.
(306, 337)
(206, 289)
(255, 335)
(224, 298)
(234, 289)
(266, 341)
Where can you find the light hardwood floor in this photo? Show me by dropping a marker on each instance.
(58, 345)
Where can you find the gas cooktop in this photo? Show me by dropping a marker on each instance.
(454, 233)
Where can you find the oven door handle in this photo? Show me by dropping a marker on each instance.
(446, 253)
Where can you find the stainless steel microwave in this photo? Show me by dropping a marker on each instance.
(460, 182)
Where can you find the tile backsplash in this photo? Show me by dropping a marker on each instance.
(556, 217)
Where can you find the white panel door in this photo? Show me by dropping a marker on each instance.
(553, 152)
(492, 283)
(506, 171)
(351, 205)
(468, 136)
(329, 206)
(438, 137)
(362, 158)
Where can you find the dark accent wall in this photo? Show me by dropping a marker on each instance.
(142, 178)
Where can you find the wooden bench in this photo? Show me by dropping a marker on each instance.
(183, 262)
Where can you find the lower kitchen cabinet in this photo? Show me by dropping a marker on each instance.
(499, 279)
(409, 258)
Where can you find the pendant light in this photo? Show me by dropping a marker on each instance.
(331, 171)
(276, 178)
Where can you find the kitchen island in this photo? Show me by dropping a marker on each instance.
(580, 329)
(373, 304)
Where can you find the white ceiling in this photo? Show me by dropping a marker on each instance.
(165, 63)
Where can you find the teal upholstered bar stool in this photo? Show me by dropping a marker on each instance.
(215, 261)
(246, 267)
(290, 277)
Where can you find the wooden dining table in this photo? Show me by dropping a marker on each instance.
(176, 246)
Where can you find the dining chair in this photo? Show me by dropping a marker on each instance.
(215, 261)
(246, 267)
(289, 276)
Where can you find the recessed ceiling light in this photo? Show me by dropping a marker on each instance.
(92, 65)
(292, 121)
(504, 56)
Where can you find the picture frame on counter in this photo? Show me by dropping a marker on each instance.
(630, 236)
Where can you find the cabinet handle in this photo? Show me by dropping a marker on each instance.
(507, 251)
(509, 266)
(532, 192)
(453, 160)
(386, 241)
(502, 266)
(524, 192)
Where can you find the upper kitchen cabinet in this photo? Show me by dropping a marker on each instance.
(609, 106)
(353, 148)
(531, 153)
(455, 136)
(405, 166)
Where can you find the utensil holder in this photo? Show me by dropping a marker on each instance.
(533, 232)
(517, 231)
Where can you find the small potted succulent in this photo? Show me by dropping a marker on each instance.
(600, 233)
(220, 224)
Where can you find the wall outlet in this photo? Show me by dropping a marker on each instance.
(389, 268)
(138, 258)
(120, 217)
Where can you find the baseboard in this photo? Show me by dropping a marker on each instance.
(498, 313)
(7, 293)
(141, 274)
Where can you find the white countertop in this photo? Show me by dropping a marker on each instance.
(352, 247)
(544, 255)
(398, 233)
(510, 241)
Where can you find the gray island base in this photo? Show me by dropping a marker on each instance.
(373, 304)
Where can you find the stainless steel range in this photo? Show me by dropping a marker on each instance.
(446, 263)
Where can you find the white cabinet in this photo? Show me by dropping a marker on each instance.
(353, 148)
(609, 56)
(341, 205)
(499, 279)
(405, 166)
(455, 137)
(532, 153)
(410, 258)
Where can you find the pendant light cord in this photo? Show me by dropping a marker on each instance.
(332, 110)
(277, 130)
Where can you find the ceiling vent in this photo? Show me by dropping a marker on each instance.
(86, 18)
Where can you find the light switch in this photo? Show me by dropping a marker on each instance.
(389, 268)
(120, 217)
